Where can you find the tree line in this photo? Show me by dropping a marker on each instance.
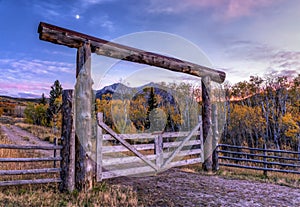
(263, 111)
(257, 112)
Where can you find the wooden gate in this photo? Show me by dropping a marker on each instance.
(145, 153)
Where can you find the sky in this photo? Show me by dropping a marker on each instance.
(239, 37)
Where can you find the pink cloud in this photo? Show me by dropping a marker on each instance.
(221, 9)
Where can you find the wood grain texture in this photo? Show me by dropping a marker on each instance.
(68, 142)
(84, 166)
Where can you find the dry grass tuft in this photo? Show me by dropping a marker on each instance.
(287, 179)
(48, 195)
(44, 133)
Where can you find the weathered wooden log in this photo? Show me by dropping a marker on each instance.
(74, 39)
(84, 176)
(34, 159)
(29, 171)
(29, 147)
(215, 164)
(207, 129)
(26, 182)
(68, 142)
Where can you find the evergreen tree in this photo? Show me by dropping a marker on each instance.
(43, 100)
(54, 100)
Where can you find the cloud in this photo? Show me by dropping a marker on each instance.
(220, 9)
(102, 21)
(86, 4)
(33, 76)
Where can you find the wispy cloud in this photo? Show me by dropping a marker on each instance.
(223, 10)
(102, 21)
(33, 76)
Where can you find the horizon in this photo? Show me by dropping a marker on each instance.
(241, 38)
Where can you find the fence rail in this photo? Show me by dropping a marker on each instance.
(53, 170)
(259, 159)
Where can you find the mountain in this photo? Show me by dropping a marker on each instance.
(121, 91)
(18, 101)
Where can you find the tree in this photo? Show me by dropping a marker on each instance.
(55, 102)
(43, 100)
(1, 111)
(36, 114)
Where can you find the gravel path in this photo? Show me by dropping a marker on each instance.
(19, 136)
(178, 188)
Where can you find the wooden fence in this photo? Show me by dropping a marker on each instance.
(259, 159)
(54, 169)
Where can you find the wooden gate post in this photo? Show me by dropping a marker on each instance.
(158, 150)
(215, 163)
(206, 117)
(84, 165)
(68, 142)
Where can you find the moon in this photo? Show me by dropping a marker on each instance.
(77, 16)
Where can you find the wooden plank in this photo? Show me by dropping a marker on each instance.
(126, 144)
(30, 147)
(184, 162)
(74, 39)
(150, 136)
(259, 149)
(181, 146)
(35, 159)
(120, 148)
(141, 147)
(68, 142)
(128, 172)
(259, 168)
(99, 148)
(133, 159)
(29, 171)
(158, 143)
(26, 182)
(177, 144)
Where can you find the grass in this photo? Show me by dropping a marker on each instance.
(287, 179)
(44, 133)
(48, 195)
(103, 194)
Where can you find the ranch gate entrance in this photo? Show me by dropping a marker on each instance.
(83, 156)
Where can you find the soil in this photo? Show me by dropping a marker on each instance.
(19, 136)
(179, 188)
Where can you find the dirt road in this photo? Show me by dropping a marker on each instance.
(178, 188)
(19, 136)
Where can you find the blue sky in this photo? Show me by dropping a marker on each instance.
(240, 37)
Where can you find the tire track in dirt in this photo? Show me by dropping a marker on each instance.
(21, 137)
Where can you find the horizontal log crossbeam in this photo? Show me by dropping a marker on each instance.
(69, 38)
